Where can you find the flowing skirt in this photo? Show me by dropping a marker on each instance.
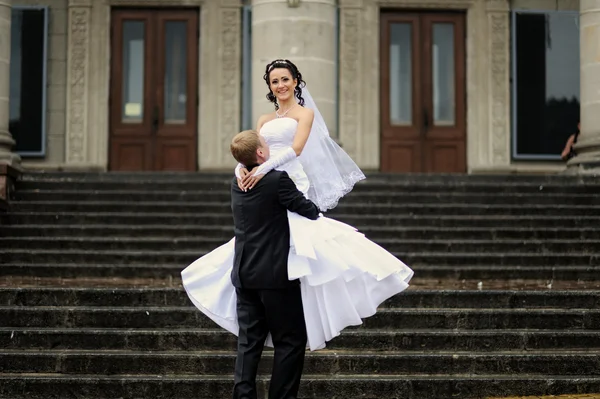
(344, 278)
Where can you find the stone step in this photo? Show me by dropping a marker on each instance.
(360, 197)
(184, 258)
(389, 185)
(115, 297)
(159, 270)
(342, 208)
(194, 339)
(185, 316)
(185, 220)
(328, 362)
(374, 232)
(207, 243)
(20, 386)
(370, 176)
(65, 176)
(490, 273)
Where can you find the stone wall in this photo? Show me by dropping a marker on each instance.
(87, 124)
(487, 85)
(545, 4)
(79, 55)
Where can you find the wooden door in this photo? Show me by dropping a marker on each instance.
(423, 92)
(154, 95)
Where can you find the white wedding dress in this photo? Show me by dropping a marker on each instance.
(344, 276)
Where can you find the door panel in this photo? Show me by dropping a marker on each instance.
(154, 90)
(131, 154)
(403, 155)
(176, 91)
(131, 81)
(401, 104)
(423, 95)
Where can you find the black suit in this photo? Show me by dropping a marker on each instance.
(266, 300)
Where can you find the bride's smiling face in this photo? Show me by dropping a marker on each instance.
(281, 84)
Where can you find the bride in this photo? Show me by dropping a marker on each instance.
(344, 276)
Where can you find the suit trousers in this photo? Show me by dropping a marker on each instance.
(280, 312)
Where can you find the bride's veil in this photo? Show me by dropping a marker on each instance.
(331, 172)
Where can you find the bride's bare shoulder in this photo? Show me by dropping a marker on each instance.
(306, 113)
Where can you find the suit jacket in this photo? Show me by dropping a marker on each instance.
(262, 231)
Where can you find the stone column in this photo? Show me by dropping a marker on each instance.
(6, 140)
(303, 31)
(588, 143)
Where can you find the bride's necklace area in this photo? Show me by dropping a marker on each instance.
(278, 115)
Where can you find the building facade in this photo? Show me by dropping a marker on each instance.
(467, 86)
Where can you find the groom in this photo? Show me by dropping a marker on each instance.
(267, 302)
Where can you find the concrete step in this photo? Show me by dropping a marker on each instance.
(374, 232)
(342, 208)
(371, 176)
(312, 386)
(185, 316)
(402, 219)
(207, 243)
(223, 195)
(130, 297)
(391, 185)
(173, 271)
(151, 270)
(328, 362)
(184, 258)
(399, 339)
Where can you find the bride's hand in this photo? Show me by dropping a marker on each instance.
(250, 180)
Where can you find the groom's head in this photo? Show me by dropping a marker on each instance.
(249, 148)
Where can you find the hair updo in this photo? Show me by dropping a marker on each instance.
(289, 65)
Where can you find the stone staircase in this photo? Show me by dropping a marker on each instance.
(505, 298)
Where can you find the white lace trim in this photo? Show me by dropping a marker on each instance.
(328, 199)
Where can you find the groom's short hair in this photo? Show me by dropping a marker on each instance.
(244, 145)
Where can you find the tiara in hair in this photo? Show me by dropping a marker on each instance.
(277, 62)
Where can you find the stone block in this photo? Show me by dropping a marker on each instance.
(58, 21)
(56, 123)
(541, 5)
(57, 47)
(57, 73)
(57, 100)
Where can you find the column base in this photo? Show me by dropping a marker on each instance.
(7, 157)
(8, 177)
(11, 159)
(590, 169)
(587, 161)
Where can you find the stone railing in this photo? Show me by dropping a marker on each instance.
(8, 176)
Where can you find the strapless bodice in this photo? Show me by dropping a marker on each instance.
(279, 134)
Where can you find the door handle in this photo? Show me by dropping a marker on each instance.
(425, 120)
(155, 116)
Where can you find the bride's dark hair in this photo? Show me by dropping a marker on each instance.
(289, 65)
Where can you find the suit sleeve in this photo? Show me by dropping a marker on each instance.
(294, 201)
